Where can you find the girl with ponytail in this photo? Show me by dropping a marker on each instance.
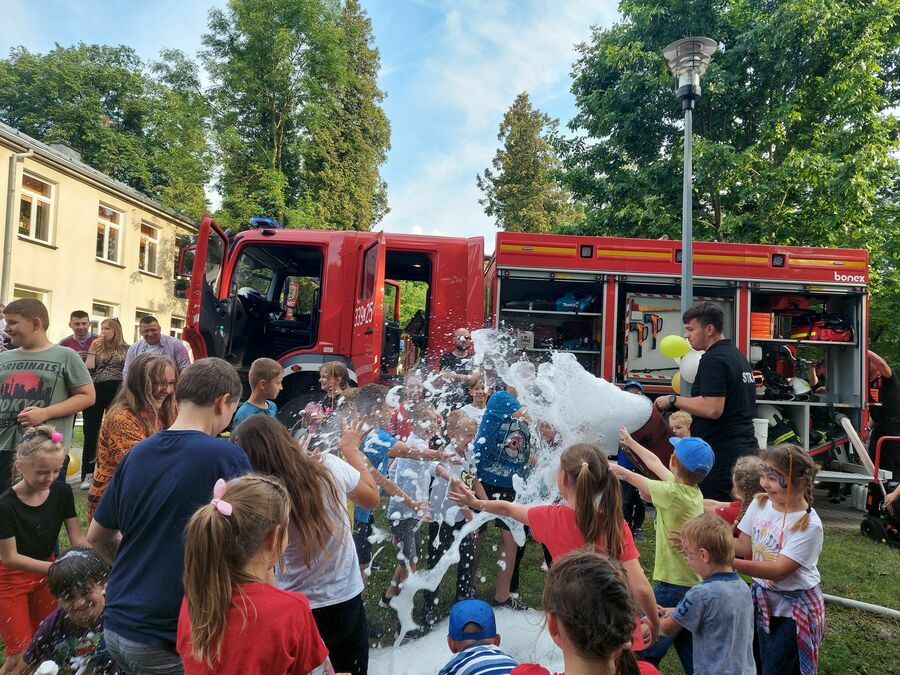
(32, 512)
(784, 535)
(590, 616)
(591, 517)
(233, 619)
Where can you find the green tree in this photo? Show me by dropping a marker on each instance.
(143, 127)
(349, 136)
(794, 143)
(522, 192)
(298, 129)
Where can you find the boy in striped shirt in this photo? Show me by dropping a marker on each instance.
(474, 641)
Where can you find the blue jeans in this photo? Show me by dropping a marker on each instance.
(135, 658)
(669, 595)
(778, 648)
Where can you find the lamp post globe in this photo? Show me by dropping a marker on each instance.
(688, 60)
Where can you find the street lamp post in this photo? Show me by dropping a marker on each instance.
(688, 60)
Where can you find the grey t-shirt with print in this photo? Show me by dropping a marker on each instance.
(719, 614)
(37, 378)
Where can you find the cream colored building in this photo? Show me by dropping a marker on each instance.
(77, 239)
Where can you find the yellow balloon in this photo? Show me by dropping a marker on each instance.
(676, 383)
(74, 465)
(674, 346)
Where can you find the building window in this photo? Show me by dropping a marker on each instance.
(99, 312)
(36, 209)
(109, 233)
(148, 261)
(138, 315)
(176, 327)
(20, 292)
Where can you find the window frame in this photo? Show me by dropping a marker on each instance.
(108, 224)
(147, 240)
(49, 202)
(31, 292)
(97, 319)
(176, 332)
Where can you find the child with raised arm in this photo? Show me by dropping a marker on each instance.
(233, 618)
(784, 534)
(379, 447)
(677, 499)
(31, 514)
(591, 514)
(320, 559)
(265, 378)
(719, 611)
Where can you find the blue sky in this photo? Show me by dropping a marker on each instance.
(450, 70)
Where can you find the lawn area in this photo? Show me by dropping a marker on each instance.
(851, 567)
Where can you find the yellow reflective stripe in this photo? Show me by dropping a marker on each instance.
(634, 254)
(730, 258)
(524, 248)
(825, 263)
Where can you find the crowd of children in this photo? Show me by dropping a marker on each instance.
(215, 556)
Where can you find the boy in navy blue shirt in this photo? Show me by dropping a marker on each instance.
(154, 492)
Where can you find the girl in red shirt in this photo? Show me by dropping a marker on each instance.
(592, 515)
(233, 619)
(590, 615)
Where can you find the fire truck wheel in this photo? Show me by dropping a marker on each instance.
(291, 411)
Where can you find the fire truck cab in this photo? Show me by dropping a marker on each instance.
(305, 297)
(611, 301)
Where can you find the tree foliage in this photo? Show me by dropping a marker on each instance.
(142, 124)
(522, 191)
(298, 129)
(795, 141)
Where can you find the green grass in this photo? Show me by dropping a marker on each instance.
(851, 567)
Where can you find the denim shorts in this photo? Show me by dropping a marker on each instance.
(136, 658)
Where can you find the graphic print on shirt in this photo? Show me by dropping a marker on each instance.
(26, 383)
(515, 441)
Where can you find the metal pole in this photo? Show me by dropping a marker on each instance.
(14, 159)
(687, 235)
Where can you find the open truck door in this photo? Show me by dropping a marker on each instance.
(368, 309)
(209, 313)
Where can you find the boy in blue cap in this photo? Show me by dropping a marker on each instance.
(677, 499)
(474, 640)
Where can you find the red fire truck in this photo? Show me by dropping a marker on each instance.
(799, 314)
(306, 297)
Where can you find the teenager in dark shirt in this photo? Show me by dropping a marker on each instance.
(723, 397)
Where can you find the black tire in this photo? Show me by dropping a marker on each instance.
(873, 528)
(289, 414)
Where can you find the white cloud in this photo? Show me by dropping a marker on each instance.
(483, 55)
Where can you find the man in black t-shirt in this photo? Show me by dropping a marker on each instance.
(456, 366)
(723, 398)
(886, 417)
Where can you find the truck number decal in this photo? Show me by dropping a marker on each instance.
(364, 314)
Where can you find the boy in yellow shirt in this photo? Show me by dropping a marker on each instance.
(676, 499)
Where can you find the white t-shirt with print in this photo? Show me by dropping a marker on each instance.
(444, 509)
(413, 476)
(763, 524)
(473, 412)
(334, 576)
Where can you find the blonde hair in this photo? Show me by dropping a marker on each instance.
(264, 369)
(598, 505)
(218, 547)
(36, 440)
(712, 533)
(338, 370)
(746, 481)
(681, 417)
(798, 469)
(118, 348)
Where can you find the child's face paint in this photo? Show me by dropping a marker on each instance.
(773, 482)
